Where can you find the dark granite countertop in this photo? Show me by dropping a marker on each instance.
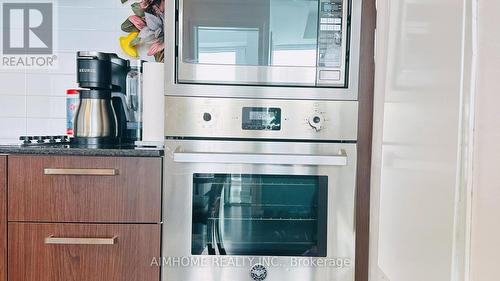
(66, 150)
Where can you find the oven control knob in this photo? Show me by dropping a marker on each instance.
(207, 117)
(316, 121)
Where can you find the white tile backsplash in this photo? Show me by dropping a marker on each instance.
(70, 40)
(101, 19)
(12, 128)
(46, 107)
(12, 83)
(90, 3)
(33, 102)
(41, 84)
(46, 126)
(12, 106)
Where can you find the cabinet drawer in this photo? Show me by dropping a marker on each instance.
(84, 189)
(83, 252)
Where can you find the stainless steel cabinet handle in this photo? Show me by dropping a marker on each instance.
(271, 159)
(80, 241)
(81, 172)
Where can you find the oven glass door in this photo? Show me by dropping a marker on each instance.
(262, 42)
(259, 215)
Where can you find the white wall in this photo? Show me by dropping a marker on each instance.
(33, 102)
(485, 259)
(418, 222)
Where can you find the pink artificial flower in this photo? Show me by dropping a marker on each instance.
(137, 21)
(144, 4)
(162, 6)
(157, 10)
(156, 47)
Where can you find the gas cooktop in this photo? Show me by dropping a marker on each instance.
(65, 142)
(44, 140)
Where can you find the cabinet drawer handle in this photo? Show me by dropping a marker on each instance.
(80, 241)
(81, 172)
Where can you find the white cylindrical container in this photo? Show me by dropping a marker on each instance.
(153, 105)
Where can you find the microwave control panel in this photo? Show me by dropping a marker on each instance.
(332, 43)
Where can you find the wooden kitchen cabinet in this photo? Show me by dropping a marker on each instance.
(84, 189)
(3, 218)
(78, 218)
(83, 252)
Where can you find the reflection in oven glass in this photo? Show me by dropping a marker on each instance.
(270, 215)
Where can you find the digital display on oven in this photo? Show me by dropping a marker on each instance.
(261, 118)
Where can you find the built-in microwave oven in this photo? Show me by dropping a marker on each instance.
(292, 49)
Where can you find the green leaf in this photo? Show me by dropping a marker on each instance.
(135, 42)
(128, 26)
(124, 1)
(136, 8)
(150, 10)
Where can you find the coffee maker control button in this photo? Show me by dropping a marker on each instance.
(207, 116)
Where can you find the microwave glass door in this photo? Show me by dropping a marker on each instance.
(259, 215)
(262, 42)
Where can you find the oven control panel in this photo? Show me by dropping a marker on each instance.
(261, 119)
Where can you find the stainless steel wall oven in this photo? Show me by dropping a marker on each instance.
(249, 179)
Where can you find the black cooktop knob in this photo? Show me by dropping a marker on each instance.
(25, 139)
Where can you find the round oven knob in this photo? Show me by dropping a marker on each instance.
(207, 116)
(316, 121)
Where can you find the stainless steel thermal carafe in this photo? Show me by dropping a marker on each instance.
(95, 121)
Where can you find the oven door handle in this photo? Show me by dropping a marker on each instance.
(262, 159)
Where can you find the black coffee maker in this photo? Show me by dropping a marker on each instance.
(107, 72)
